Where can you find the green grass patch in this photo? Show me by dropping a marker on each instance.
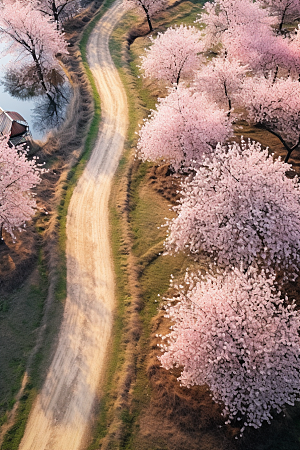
(137, 106)
(149, 212)
(15, 434)
(19, 322)
(188, 13)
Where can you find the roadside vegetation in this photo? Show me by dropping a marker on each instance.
(144, 406)
(32, 270)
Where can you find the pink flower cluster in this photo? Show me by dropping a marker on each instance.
(174, 54)
(275, 106)
(236, 334)
(18, 175)
(32, 37)
(240, 207)
(185, 126)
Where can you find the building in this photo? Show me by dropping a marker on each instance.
(14, 126)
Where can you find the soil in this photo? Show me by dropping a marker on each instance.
(63, 410)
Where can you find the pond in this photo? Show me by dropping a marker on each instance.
(41, 114)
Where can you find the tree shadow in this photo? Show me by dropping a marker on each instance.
(49, 112)
(50, 108)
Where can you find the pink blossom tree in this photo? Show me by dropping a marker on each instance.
(147, 7)
(259, 48)
(221, 17)
(240, 207)
(292, 54)
(184, 127)
(221, 80)
(287, 11)
(36, 41)
(236, 334)
(18, 176)
(274, 107)
(173, 55)
(264, 51)
(55, 9)
(245, 31)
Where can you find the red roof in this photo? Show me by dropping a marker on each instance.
(12, 123)
(17, 128)
(15, 116)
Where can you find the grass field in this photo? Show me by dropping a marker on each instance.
(20, 315)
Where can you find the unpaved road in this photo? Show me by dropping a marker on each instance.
(61, 415)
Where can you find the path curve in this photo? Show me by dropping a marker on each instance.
(61, 414)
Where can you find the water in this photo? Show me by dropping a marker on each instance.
(40, 114)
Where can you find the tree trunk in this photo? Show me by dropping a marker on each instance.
(282, 20)
(228, 98)
(40, 74)
(1, 237)
(288, 148)
(149, 22)
(55, 14)
(275, 75)
(148, 18)
(289, 152)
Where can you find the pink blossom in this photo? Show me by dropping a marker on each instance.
(32, 37)
(57, 10)
(235, 334)
(287, 11)
(258, 47)
(275, 106)
(245, 31)
(18, 175)
(221, 80)
(221, 17)
(173, 55)
(240, 207)
(185, 126)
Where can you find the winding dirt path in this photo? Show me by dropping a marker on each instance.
(61, 414)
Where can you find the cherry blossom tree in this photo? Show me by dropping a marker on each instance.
(236, 334)
(147, 7)
(245, 31)
(275, 107)
(184, 127)
(221, 17)
(18, 176)
(292, 54)
(287, 11)
(240, 207)
(259, 48)
(174, 54)
(55, 9)
(221, 80)
(36, 41)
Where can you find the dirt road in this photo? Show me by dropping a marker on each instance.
(61, 415)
